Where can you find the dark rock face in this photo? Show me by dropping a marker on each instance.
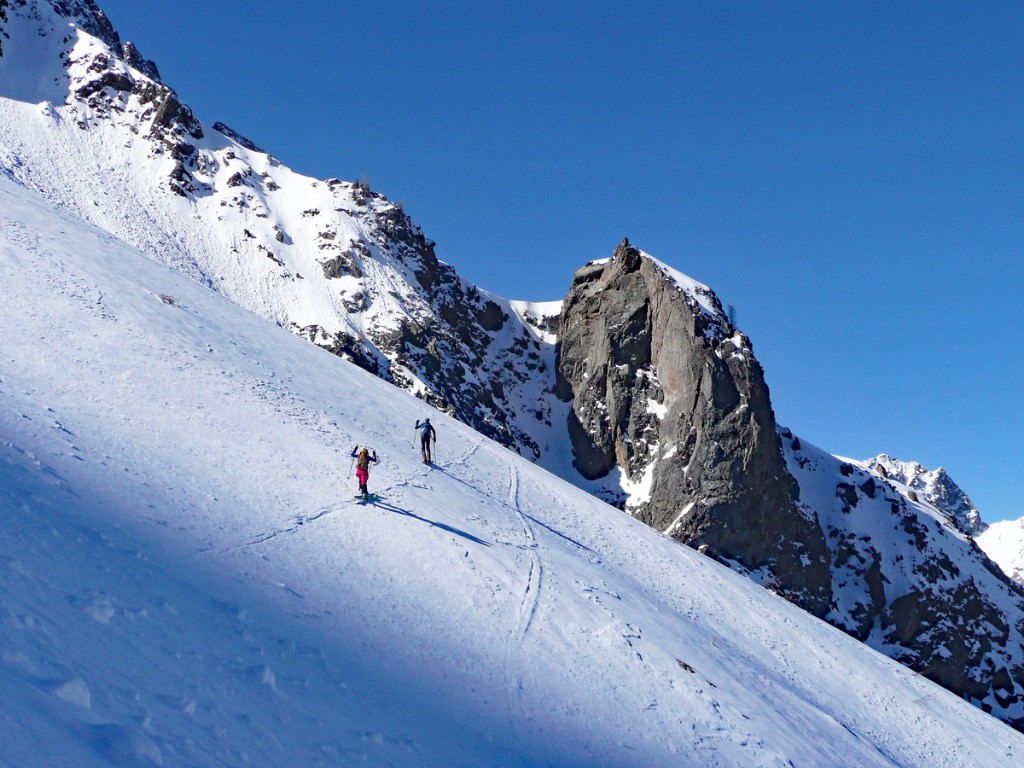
(89, 16)
(634, 346)
(135, 59)
(3, 17)
(233, 134)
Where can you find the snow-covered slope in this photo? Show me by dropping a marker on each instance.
(186, 579)
(1004, 543)
(88, 124)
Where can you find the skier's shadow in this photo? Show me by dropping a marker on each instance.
(433, 523)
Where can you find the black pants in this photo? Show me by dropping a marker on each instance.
(425, 447)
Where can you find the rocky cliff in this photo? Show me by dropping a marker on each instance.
(666, 391)
(668, 405)
(935, 487)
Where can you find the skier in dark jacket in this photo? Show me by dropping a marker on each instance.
(363, 461)
(427, 434)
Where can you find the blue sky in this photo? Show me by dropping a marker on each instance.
(848, 175)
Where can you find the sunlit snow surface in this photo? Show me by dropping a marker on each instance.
(186, 578)
(1004, 543)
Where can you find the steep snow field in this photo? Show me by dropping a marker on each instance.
(186, 578)
(330, 260)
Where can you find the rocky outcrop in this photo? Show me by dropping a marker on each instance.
(90, 18)
(669, 404)
(135, 59)
(668, 394)
(236, 136)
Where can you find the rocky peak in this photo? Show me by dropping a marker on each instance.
(90, 18)
(935, 487)
(134, 59)
(629, 257)
(669, 401)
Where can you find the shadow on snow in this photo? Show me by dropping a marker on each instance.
(408, 513)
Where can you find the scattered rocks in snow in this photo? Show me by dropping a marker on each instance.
(74, 691)
(264, 675)
(100, 608)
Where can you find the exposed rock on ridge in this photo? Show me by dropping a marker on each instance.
(936, 487)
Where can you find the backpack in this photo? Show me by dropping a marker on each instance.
(363, 462)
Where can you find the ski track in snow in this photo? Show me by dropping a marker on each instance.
(528, 599)
(531, 593)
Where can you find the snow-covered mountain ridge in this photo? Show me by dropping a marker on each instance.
(1002, 541)
(934, 486)
(185, 579)
(690, 448)
(97, 133)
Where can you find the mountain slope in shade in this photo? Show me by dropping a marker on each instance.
(187, 580)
